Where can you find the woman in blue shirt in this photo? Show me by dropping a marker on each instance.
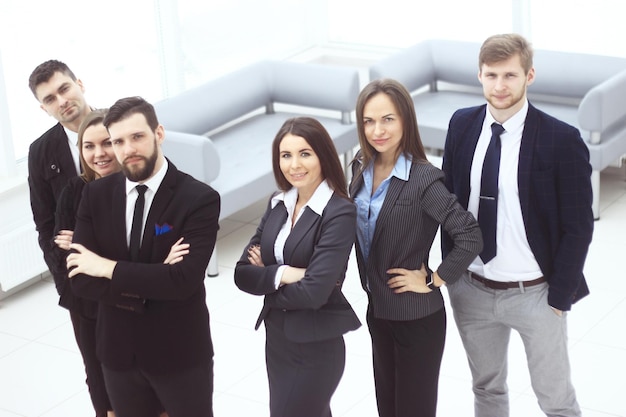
(401, 202)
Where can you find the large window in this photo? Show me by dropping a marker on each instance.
(589, 26)
(151, 48)
(156, 48)
(401, 23)
(110, 46)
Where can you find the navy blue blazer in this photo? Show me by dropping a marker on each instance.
(50, 167)
(554, 180)
(167, 329)
(315, 306)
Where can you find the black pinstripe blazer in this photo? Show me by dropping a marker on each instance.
(404, 233)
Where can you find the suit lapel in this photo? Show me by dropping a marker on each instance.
(301, 228)
(395, 187)
(357, 178)
(161, 201)
(524, 169)
(118, 215)
(64, 153)
(468, 148)
(272, 227)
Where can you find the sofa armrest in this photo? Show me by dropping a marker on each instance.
(413, 67)
(314, 85)
(603, 106)
(196, 155)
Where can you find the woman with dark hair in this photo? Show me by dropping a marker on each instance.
(401, 202)
(298, 259)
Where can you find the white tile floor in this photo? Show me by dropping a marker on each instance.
(41, 372)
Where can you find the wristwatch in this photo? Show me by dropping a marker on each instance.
(430, 282)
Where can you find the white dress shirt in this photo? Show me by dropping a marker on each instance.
(72, 140)
(153, 185)
(318, 202)
(514, 260)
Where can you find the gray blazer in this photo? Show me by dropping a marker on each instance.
(315, 306)
(405, 230)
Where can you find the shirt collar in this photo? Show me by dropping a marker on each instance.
(71, 136)
(317, 202)
(153, 183)
(514, 122)
(402, 168)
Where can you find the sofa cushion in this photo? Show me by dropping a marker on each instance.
(245, 153)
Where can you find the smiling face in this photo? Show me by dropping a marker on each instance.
(382, 125)
(62, 98)
(97, 151)
(137, 147)
(299, 164)
(504, 86)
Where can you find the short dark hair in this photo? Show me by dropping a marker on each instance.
(498, 48)
(322, 144)
(126, 107)
(45, 71)
(411, 142)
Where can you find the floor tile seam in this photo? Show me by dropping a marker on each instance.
(13, 412)
(14, 351)
(608, 204)
(586, 341)
(59, 348)
(605, 316)
(240, 224)
(62, 402)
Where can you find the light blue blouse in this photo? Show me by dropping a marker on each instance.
(369, 205)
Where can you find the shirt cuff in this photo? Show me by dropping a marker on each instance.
(279, 275)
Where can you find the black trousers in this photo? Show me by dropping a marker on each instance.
(407, 359)
(302, 376)
(135, 393)
(85, 333)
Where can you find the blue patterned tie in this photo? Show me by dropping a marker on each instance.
(135, 231)
(488, 203)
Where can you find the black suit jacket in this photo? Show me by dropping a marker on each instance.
(554, 180)
(405, 230)
(316, 308)
(50, 167)
(171, 332)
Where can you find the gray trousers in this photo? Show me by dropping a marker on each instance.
(485, 318)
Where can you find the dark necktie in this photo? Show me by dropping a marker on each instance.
(135, 231)
(488, 200)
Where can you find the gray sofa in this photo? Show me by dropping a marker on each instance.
(239, 114)
(192, 154)
(242, 111)
(586, 91)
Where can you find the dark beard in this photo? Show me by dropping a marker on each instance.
(145, 172)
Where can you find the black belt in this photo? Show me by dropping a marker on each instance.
(499, 285)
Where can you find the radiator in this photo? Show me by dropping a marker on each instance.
(21, 257)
